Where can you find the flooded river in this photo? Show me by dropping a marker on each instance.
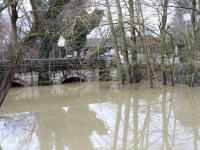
(87, 116)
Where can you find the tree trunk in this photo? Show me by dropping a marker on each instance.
(114, 41)
(171, 72)
(172, 65)
(199, 4)
(191, 52)
(13, 18)
(9, 76)
(141, 34)
(124, 46)
(171, 78)
(13, 64)
(164, 5)
(134, 69)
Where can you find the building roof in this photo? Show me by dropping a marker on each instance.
(97, 42)
(107, 43)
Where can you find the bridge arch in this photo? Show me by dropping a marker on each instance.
(22, 82)
(80, 76)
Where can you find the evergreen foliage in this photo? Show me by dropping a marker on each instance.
(78, 37)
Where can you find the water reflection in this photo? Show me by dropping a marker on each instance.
(91, 116)
(71, 128)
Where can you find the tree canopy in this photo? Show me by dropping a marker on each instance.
(46, 23)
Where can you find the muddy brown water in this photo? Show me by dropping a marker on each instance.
(87, 116)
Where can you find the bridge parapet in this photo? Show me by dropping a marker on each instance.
(58, 70)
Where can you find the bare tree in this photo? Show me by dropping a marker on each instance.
(162, 27)
(114, 41)
(193, 39)
(14, 17)
(191, 43)
(2, 6)
(124, 43)
(134, 70)
(142, 36)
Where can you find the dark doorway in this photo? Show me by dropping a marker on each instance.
(15, 84)
(73, 79)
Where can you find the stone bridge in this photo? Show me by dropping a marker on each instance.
(33, 71)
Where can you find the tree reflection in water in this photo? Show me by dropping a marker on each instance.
(71, 128)
(118, 119)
